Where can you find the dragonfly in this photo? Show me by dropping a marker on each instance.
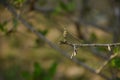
(68, 42)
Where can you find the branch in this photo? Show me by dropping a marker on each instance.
(106, 62)
(75, 46)
(91, 45)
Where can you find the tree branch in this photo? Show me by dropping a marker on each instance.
(106, 62)
(90, 45)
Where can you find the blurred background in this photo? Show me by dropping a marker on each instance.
(23, 56)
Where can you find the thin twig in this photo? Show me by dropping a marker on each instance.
(39, 35)
(91, 45)
(105, 63)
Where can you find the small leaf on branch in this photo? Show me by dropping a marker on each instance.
(75, 51)
(74, 54)
(109, 48)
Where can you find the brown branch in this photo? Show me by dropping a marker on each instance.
(106, 62)
(91, 45)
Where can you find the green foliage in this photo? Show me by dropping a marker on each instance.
(116, 62)
(17, 3)
(40, 73)
(2, 26)
(116, 50)
(63, 5)
(44, 32)
(15, 72)
(26, 75)
(57, 10)
(71, 6)
(12, 73)
(66, 7)
(93, 37)
(5, 30)
(52, 69)
(14, 27)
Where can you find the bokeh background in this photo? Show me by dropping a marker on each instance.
(23, 56)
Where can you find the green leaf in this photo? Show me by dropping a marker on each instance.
(57, 10)
(2, 26)
(71, 6)
(52, 69)
(18, 1)
(47, 78)
(116, 50)
(68, 7)
(63, 5)
(37, 70)
(26, 75)
(93, 37)
(116, 62)
(44, 32)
